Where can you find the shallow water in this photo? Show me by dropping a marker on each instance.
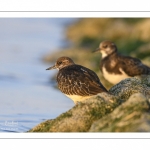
(26, 96)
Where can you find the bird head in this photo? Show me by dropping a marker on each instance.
(106, 48)
(61, 63)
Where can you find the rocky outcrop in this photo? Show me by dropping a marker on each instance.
(81, 116)
(131, 116)
(125, 109)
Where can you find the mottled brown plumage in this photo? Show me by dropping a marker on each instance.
(76, 81)
(116, 67)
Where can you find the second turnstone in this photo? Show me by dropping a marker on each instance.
(75, 81)
(116, 67)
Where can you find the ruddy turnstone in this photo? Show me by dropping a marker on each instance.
(116, 67)
(75, 81)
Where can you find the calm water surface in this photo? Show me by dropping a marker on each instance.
(26, 97)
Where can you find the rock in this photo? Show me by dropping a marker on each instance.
(131, 116)
(105, 112)
(81, 116)
(129, 86)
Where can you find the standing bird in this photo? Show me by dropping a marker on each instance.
(75, 81)
(116, 67)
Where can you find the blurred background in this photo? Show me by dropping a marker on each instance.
(28, 93)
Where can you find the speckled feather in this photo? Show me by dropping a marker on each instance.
(78, 80)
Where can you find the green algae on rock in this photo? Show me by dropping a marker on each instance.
(81, 116)
(131, 116)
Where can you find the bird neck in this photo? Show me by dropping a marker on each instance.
(104, 54)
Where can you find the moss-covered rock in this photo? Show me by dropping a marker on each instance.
(81, 116)
(131, 116)
(107, 111)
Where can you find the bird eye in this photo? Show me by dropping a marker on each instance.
(60, 62)
(104, 46)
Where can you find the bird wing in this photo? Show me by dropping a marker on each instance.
(133, 66)
(78, 80)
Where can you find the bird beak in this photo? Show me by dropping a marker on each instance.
(97, 50)
(53, 67)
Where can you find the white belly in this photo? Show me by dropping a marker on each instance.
(114, 78)
(77, 98)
